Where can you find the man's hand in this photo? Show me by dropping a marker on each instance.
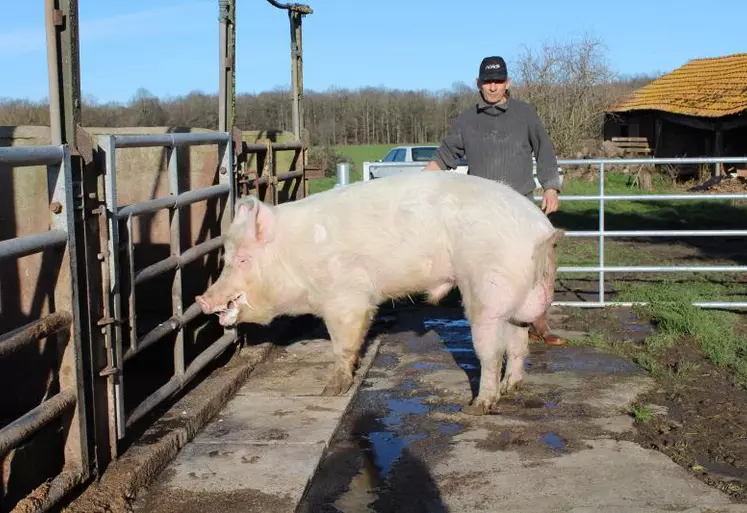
(550, 201)
(431, 166)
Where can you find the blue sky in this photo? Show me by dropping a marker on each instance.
(170, 47)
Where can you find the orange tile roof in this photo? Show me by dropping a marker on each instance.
(708, 87)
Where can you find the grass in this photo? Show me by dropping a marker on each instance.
(641, 412)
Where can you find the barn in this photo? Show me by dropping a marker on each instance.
(697, 110)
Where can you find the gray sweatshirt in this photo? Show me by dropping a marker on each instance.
(498, 141)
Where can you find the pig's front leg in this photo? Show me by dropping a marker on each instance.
(516, 352)
(488, 338)
(348, 329)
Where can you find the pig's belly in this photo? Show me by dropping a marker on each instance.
(416, 275)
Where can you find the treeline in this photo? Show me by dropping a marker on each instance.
(570, 86)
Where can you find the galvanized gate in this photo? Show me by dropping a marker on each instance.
(122, 278)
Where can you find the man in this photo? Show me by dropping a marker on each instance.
(498, 136)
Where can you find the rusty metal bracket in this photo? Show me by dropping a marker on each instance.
(106, 321)
(109, 371)
(58, 18)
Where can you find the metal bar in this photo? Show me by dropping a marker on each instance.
(31, 155)
(21, 429)
(659, 233)
(262, 148)
(131, 292)
(655, 197)
(178, 382)
(175, 201)
(289, 175)
(653, 269)
(114, 328)
(174, 262)
(227, 58)
(53, 72)
(46, 496)
(164, 329)
(222, 50)
(29, 244)
(70, 373)
(596, 304)
(175, 241)
(34, 332)
(191, 139)
(293, 18)
(688, 160)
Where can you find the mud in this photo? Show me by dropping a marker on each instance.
(700, 417)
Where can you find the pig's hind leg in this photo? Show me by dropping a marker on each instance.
(348, 328)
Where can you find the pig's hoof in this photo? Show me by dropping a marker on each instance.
(338, 385)
(509, 386)
(477, 408)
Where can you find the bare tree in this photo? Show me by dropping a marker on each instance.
(564, 82)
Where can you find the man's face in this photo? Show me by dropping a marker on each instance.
(493, 91)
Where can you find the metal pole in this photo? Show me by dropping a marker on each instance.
(227, 58)
(52, 21)
(295, 20)
(69, 66)
(343, 174)
(601, 233)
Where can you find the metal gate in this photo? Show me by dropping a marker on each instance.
(59, 327)
(122, 278)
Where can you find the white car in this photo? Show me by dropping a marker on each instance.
(407, 159)
(404, 159)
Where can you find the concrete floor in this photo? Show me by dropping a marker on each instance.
(398, 442)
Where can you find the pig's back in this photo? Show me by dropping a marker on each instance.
(407, 225)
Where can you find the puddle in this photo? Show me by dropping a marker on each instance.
(400, 407)
(554, 441)
(426, 366)
(387, 448)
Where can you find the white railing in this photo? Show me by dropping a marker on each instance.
(602, 234)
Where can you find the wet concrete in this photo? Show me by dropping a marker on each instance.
(554, 445)
(260, 451)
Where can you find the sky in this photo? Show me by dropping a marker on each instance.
(170, 47)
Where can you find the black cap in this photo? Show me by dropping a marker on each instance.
(493, 68)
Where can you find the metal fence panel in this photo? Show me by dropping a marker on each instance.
(602, 233)
(70, 403)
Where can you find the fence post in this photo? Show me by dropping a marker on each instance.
(227, 52)
(601, 233)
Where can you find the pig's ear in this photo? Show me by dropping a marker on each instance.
(258, 219)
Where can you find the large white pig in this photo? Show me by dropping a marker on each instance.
(340, 253)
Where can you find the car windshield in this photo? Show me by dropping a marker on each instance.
(423, 153)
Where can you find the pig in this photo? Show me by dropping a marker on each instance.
(340, 253)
